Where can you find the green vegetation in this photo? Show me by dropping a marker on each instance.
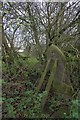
(41, 81)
